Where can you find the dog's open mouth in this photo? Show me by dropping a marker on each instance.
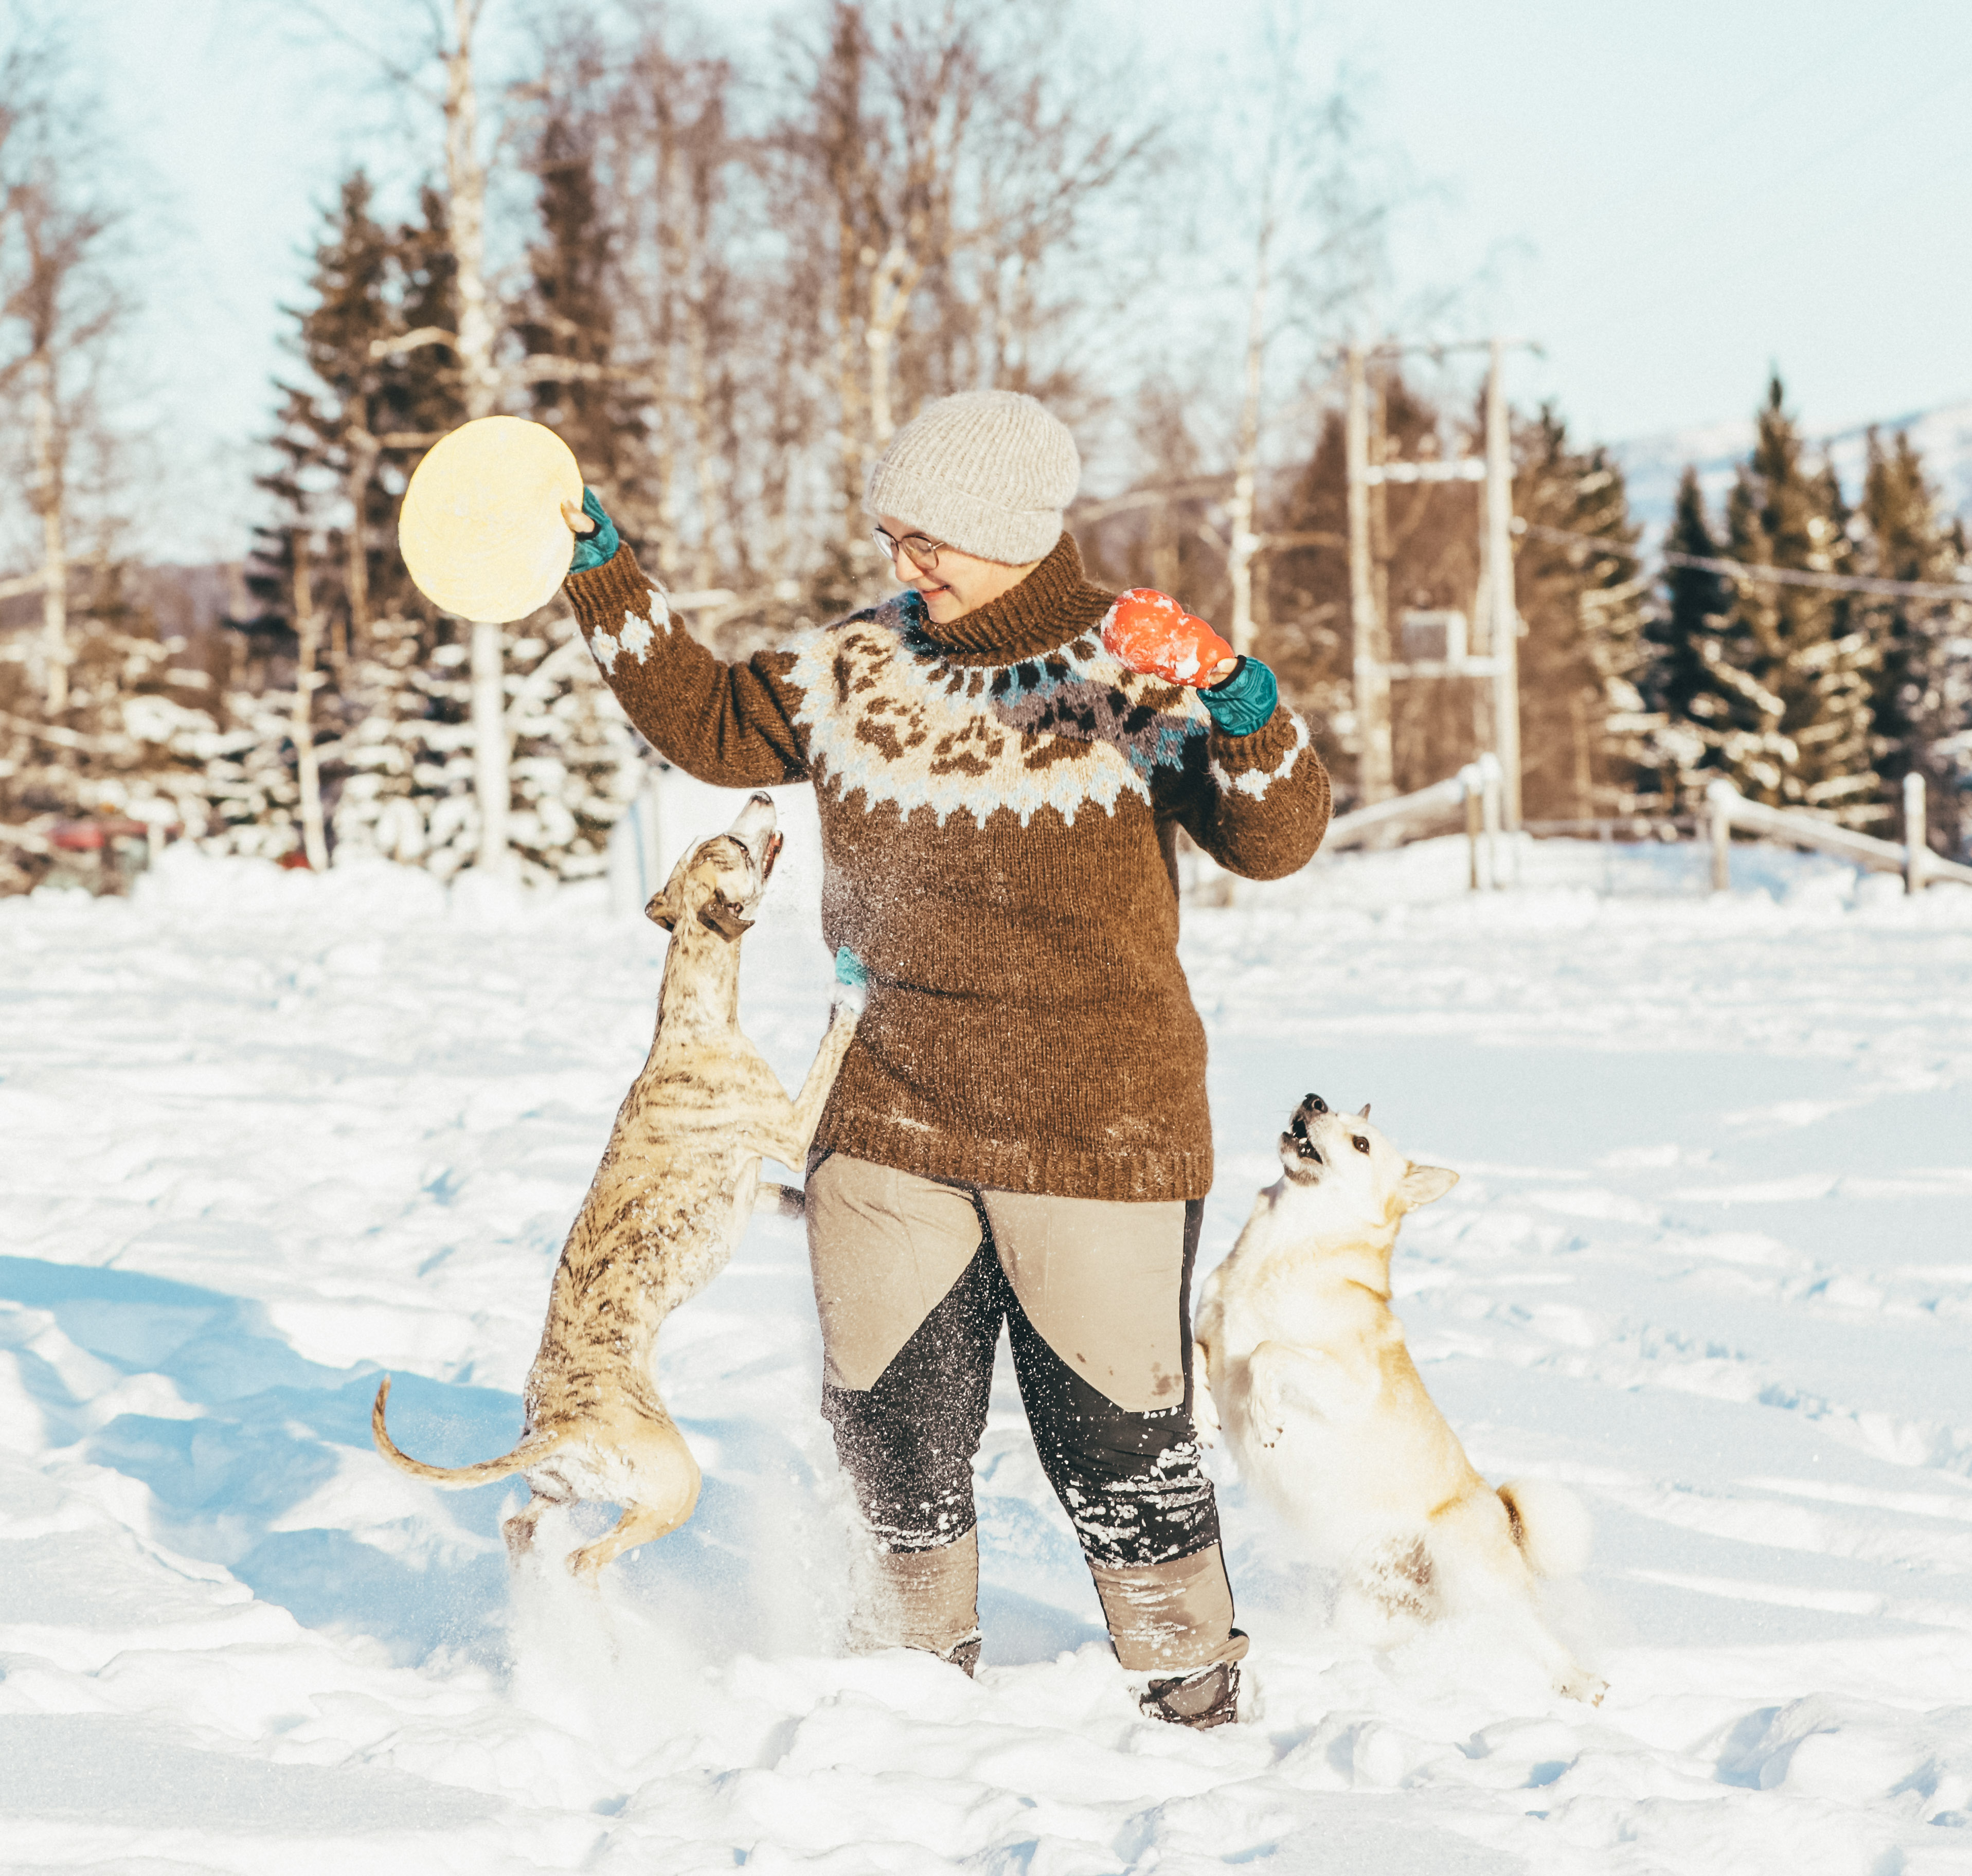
(1297, 1131)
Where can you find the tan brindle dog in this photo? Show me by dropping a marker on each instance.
(678, 1182)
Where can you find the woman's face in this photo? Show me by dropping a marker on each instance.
(961, 583)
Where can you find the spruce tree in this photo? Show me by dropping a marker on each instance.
(1921, 705)
(1697, 601)
(1677, 682)
(1584, 720)
(1782, 709)
(571, 314)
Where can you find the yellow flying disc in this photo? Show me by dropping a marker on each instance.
(481, 529)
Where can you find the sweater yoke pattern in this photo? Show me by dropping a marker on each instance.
(884, 712)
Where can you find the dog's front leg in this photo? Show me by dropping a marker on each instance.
(1205, 1419)
(845, 1012)
(787, 1135)
(1284, 1379)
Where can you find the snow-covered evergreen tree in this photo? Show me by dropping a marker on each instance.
(407, 757)
(396, 730)
(1586, 725)
(143, 736)
(1922, 692)
(1780, 700)
(570, 315)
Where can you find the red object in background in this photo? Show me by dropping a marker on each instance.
(296, 862)
(92, 836)
(1150, 632)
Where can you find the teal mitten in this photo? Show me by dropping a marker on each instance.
(1244, 701)
(852, 983)
(601, 542)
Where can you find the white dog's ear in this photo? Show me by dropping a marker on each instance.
(1421, 1184)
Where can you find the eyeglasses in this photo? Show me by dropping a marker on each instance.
(922, 550)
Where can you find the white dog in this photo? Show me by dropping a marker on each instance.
(1315, 1390)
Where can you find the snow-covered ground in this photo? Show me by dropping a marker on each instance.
(1711, 1262)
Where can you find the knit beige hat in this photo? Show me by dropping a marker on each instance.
(987, 472)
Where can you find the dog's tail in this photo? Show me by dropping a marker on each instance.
(1550, 1524)
(530, 1450)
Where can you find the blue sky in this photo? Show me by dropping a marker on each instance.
(1669, 196)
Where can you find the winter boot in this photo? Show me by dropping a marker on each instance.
(964, 1652)
(1210, 1697)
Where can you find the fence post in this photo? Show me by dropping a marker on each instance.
(1490, 777)
(1468, 780)
(1718, 799)
(1917, 842)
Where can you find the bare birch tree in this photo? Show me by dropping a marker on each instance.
(1314, 229)
(58, 306)
(944, 166)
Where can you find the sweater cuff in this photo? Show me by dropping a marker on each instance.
(1249, 765)
(619, 611)
(601, 594)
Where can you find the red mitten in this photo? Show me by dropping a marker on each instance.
(1151, 633)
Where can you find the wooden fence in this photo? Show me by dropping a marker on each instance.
(1911, 857)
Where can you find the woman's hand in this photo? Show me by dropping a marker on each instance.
(1151, 633)
(596, 540)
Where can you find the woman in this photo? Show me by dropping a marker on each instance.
(1019, 1133)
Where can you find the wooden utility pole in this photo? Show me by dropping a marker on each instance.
(1502, 616)
(1376, 768)
(466, 209)
(308, 645)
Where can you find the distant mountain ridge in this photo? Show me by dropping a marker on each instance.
(1652, 464)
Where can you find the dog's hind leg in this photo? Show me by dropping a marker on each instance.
(639, 1525)
(657, 1483)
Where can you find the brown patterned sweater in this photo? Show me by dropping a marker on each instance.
(998, 807)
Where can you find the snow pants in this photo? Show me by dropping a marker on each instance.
(913, 1278)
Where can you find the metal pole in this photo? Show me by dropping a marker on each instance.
(1502, 619)
(1377, 769)
(1917, 841)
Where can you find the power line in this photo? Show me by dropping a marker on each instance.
(1770, 576)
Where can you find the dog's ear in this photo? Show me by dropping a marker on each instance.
(1421, 1184)
(660, 911)
(719, 913)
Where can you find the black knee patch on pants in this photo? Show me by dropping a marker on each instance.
(907, 1442)
(1130, 1482)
